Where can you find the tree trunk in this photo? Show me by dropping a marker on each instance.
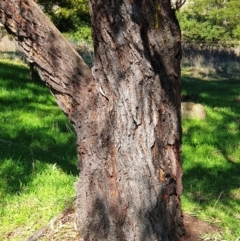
(126, 113)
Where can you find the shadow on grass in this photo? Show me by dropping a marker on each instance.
(206, 184)
(211, 148)
(33, 130)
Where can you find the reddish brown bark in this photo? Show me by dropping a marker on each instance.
(126, 113)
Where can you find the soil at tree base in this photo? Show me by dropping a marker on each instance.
(194, 228)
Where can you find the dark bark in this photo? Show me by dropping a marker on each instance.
(127, 116)
(31, 70)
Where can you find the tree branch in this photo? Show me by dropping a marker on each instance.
(58, 64)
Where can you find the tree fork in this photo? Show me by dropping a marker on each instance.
(126, 113)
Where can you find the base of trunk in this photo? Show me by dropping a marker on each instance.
(128, 213)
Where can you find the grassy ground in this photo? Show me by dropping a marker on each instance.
(38, 152)
(211, 150)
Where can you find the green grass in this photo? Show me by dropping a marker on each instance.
(211, 153)
(38, 154)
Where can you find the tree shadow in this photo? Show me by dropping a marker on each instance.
(34, 130)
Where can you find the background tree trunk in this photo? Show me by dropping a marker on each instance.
(126, 114)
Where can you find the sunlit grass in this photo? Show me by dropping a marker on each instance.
(38, 154)
(211, 155)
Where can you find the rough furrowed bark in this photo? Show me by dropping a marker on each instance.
(132, 170)
(126, 113)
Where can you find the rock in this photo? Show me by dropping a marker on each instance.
(191, 110)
